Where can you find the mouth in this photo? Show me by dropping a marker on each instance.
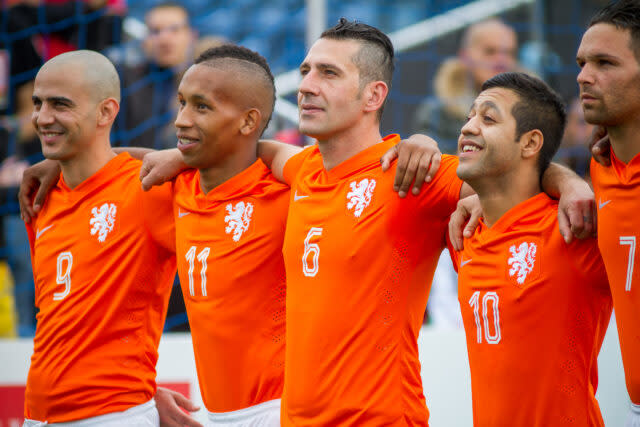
(49, 136)
(306, 109)
(467, 147)
(186, 142)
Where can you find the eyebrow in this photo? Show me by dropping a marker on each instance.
(62, 99)
(596, 56)
(322, 66)
(486, 104)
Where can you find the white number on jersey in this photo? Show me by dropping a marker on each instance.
(63, 275)
(313, 250)
(202, 257)
(631, 242)
(474, 301)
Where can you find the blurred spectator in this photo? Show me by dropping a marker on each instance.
(488, 48)
(149, 101)
(574, 150)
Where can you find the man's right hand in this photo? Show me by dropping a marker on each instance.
(159, 167)
(170, 406)
(38, 179)
(600, 146)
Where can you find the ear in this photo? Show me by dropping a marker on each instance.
(107, 111)
(250, 121)
(374, 95)
(531, 143)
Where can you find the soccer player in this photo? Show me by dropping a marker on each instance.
(609, 58)
(230, 217)
(535, 310)
(102, 274)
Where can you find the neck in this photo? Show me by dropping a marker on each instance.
(625, 140)
(498, 195)
(217, 174)
(338, 148)
(87, 163)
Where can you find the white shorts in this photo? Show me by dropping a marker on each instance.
(265, 414)
(145, 415)
(633, 419)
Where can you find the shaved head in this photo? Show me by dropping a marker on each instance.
(247, 69)
(98, 74)
(477, 32)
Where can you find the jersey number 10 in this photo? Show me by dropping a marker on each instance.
(474, 301)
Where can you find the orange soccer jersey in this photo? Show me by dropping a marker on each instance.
(103, 262)
(359, 264)
(535, 312)
(617, 190)
(229, 250)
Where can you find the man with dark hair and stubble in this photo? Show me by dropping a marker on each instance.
(609, 81)
(546, 305)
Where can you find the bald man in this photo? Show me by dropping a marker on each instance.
(102, 274)
(487, 48)
(230, 215)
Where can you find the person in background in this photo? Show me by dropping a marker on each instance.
(487, 48)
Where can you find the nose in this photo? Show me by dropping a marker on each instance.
(470, 127)
(308, 84)
(585, 76)
(183, 119)
(42, 116)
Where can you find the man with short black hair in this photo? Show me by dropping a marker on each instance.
(609, 58)
(535, 293)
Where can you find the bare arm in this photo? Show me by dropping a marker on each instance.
(275, 155)
(576, 206)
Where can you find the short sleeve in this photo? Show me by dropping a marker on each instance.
(158, 212)
(294, 164)
(587, 262)
(443, 192)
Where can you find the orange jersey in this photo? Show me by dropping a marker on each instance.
(103, 263)
(535, 311)
(617, 190)
(359, 264)
(229, 250)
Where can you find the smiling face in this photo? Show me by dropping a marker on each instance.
(487, 145)
(64, 114)
(329, 97)
(609, 76)
(210, 115)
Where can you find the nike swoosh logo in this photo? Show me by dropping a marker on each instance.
(39, 232)
(465, 262)
(181, 214)
(602, 204)
(296, 197)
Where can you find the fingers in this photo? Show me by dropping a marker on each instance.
(565, 228)
(409, 176)
(388, 157)
(435, 165)
(601, 151)
(185, 403)
(456, 225)
(472, 224)
(401, 170)
(24, 199)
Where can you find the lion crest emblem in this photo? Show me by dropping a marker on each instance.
(522, 260)
(102, 221)
(360, 195)
(238, 219)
